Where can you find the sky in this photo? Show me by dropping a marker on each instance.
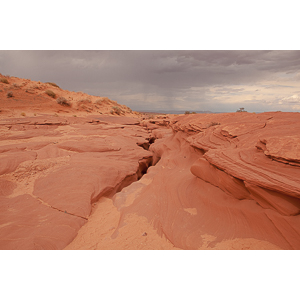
(203, 80)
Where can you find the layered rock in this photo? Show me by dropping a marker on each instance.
(49, 178)
(201, 181)
(222, 182)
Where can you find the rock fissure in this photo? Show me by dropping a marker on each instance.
(143, 165)
(48, 205)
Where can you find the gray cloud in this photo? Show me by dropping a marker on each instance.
(197, 80)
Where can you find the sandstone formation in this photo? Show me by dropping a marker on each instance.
(26, 97)
(51, 177)
(115, 179)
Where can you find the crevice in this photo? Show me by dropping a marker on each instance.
(144, 164)
(279, 232)
(146, 145)
(110, 191)
(46, 204)
(152, 140)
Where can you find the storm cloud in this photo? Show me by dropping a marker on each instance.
(219, 81)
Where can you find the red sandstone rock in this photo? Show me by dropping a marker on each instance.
(215, 181)
(61, 174)
(6, 187)
(10, 161)
(26, 223)
(238, 191)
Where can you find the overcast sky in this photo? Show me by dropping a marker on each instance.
(219, 81)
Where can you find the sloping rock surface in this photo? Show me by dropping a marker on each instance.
(201, 181)
(52, 169)
(222, 181)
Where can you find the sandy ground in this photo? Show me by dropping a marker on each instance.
(100, 233)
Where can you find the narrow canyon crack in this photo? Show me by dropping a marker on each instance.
(63, 211)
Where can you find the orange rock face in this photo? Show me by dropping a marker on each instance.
(54, 167)
(96, 181)
(54, 178)
(216, 187)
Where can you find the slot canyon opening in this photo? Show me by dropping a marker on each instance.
(146, 145)
(144, 164)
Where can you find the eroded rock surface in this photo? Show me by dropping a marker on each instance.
(49, 178)
(220, 182)
(95, 175)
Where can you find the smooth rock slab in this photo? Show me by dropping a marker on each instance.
(27, 224)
